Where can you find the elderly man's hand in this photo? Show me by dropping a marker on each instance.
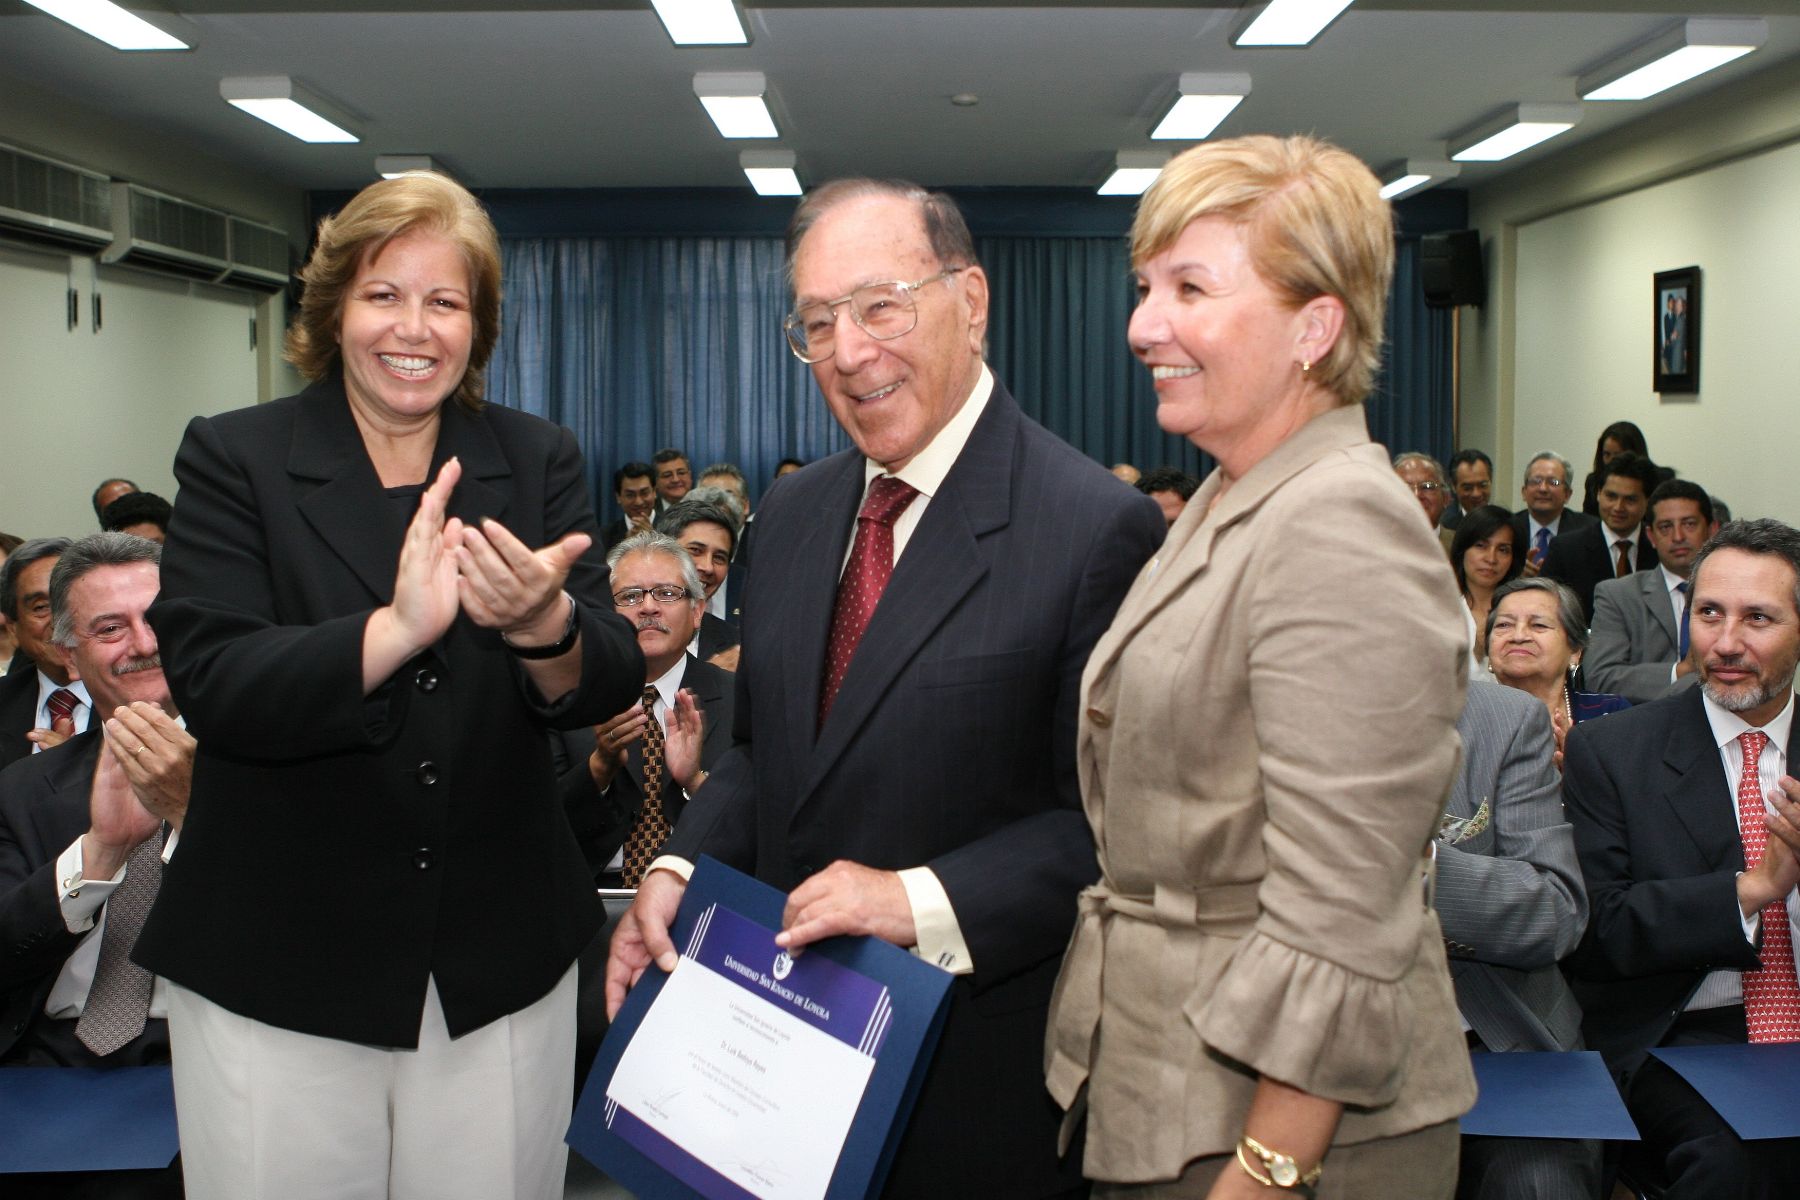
(157, 755)
(642, 937)
(848, 898)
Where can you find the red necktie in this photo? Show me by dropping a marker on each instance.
(865, 576)
(61, 704)
(1771, 995)
(1624, 548)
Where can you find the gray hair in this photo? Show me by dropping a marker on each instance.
(110, 549)
(718, 497)
(945, 228)
(1568, 472)
(1419, 456)
(651, 542)
(1764, 535)
(1568, 607)
(729, 470)
(17, 561)
(691, 509)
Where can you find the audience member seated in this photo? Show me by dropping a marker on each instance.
(1170, 488)
(727, 475)
(1425, 477)
(1616, 546)
(707, 532)
(81, 839)
(1126, 473)
(109, 491)
(788, 466)
(141, 514)
(1618, 438)
(1536, 636)
(1510, 899)
(1691, 876)
(673, 478)
(1546, 514)
(634, 490)
(1482, 556)
(41, 704)
(1640, 636)
(1472, 482)
(9, 645)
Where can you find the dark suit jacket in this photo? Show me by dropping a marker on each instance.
(1584, 559)
(18, 710)
(951, 745)
(602, 820)
(1656, 829)
(43, 809)
(1570, 521)
(339, 849)
(716, 634)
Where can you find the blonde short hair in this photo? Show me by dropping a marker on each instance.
(1315, 224)
(375, 216)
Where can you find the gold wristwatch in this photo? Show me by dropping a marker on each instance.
(1282, 1169)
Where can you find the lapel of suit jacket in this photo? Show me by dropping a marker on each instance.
(70, 780)
(942, 562)
(1656, 599)
(346, 508)
(1696, 788)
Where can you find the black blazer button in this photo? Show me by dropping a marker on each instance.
(422, 859)
(427, 774)
(426, 680)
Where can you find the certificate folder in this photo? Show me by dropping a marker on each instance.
(874, 1006)
(86, 1119)
(1756, 1088)
(1547, 1095)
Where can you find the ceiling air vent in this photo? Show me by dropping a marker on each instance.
(259, 256)
(165, 234)
(45, 201)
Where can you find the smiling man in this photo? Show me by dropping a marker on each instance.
(924, 604)
(1546, 514)
(634, 490)
(41, 705)
(1618, 545)
(1689, 839)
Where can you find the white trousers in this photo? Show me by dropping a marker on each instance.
(270, 1114)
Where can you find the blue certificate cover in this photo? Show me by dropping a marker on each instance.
(86, 1119)
(855, 1019)
(1756, 1088)
(1547, 1095)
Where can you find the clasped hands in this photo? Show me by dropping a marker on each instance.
(141, 779)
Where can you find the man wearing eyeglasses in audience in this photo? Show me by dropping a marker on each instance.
(1425, 477)
(1546, 514)
(41, 704)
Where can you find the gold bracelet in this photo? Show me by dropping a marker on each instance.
(1283, 1171)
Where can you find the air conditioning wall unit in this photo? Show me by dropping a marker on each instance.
(260, 256)
(46, 202)
(162, 233)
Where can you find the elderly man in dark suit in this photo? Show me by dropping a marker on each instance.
(1688, 830)
(1546, 514)
(40, 703)
(1618, 545)
(80, 836)
(919, 614)
(1510, 898)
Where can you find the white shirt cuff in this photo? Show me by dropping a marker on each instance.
(940, 936)
(672, 862)
(80, 899)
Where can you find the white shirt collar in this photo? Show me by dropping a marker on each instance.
(669, 682)
(1727, 725)
(928, 467)
(1671, 580)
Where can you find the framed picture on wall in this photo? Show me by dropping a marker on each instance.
(1677, 330)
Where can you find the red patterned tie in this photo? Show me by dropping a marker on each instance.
(865, 576)
(61, 704)
(1771, 995)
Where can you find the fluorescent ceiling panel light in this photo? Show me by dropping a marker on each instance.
(388, 166)
(1518, 128)
(1674, 56)
(702, 22)
(1415, 174)
(1206, 100)
(771, 172)
(294, 111)
(1289, 22)
(1134, 171)
(734, 101)
(111, 24)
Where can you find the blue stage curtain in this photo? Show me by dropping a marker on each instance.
(1410, 406)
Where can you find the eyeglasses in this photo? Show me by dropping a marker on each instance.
(884, 311)
(663, 593)
(1554, 481)
(1425, 487)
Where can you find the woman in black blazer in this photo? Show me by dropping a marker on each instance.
(374, 906)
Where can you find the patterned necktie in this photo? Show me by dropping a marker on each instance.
(652, 828)
(865, 577)
(61, 704)
(1624, 567)
(1772, 994)
(119, 999)
(1682, 649)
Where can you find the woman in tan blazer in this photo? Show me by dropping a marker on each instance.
(1256, 1001)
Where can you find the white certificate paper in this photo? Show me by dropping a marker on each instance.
(750, 1065)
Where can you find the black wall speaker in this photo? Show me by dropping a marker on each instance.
(1450, 269)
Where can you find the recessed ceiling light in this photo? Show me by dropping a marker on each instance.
(771, 172)
(288, 107)
(1133, 171)
(111, 24)
(1674, 56)
(1518, 128)
(390, 165)
(1289, 22)
(1415, 175)
(702, 22)
(734, 101)
(1205, 101)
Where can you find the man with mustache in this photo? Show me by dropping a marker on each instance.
(82, 829)
(1687, 826)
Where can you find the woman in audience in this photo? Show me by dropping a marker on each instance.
(1482, 556)
(375, 596)
(1536, 633)
(1620, 435)
(1256, 993)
